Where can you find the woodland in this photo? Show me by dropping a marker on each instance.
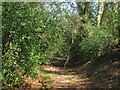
(60, 45)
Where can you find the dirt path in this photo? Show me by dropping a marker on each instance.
(104, 73)
(67, 78)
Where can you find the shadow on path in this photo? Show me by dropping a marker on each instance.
(103, 72)
(66, 77)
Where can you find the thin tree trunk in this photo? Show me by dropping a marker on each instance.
(68, 57)
(80, 8)
(99, 13)
(104, 13)
(87, 9)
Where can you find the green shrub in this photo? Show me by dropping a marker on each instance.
(35, 39)
(95, 42)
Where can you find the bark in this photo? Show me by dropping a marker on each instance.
(80, 8)
(68, 57)
(84, 9)
(87, 9)
(99, 13)
(104, 14)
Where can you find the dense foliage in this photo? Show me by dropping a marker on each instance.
(32, 36)
(96, 42)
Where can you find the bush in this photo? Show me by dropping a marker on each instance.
(35, 39)
(95, 42)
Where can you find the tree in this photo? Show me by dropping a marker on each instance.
(104, 14)
(99, 13)
(36, 38)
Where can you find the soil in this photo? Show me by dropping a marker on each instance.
(103, 72)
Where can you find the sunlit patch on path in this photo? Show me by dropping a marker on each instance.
(65, 78)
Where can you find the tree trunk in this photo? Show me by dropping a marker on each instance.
(99, 13)
(68, 57)
(80, 8)
(104, 13)
(87, 9)
(84, 9)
